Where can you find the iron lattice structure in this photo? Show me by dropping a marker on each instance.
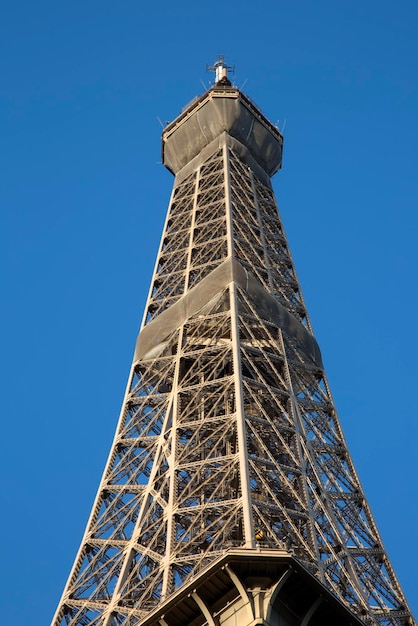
(228, 435)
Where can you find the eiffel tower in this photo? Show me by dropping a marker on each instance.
(229, 496)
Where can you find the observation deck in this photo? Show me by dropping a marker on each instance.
(221, 109)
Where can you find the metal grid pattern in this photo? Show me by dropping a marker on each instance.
(259, 240)
(228, 435)
(194, 240)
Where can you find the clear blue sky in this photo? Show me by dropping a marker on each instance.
(83, 199)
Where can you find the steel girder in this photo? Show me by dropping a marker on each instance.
(228, 435)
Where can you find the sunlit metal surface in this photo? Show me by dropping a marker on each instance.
(228, 436)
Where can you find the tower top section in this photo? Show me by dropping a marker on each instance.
(222, 110)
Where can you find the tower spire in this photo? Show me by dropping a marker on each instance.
(221, 70)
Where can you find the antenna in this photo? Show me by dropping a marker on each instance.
(243, 84)
(221, 69)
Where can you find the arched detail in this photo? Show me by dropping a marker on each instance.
(212, 621)
(246, 598)
(311, 611)
(272, 595)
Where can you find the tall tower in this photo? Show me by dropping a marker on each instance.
(229, 496)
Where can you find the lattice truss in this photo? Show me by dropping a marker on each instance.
(228, 434)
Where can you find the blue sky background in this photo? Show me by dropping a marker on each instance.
(83, 199)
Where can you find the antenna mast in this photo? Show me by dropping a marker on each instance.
(221, 68)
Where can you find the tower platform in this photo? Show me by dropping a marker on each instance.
(258, 587)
